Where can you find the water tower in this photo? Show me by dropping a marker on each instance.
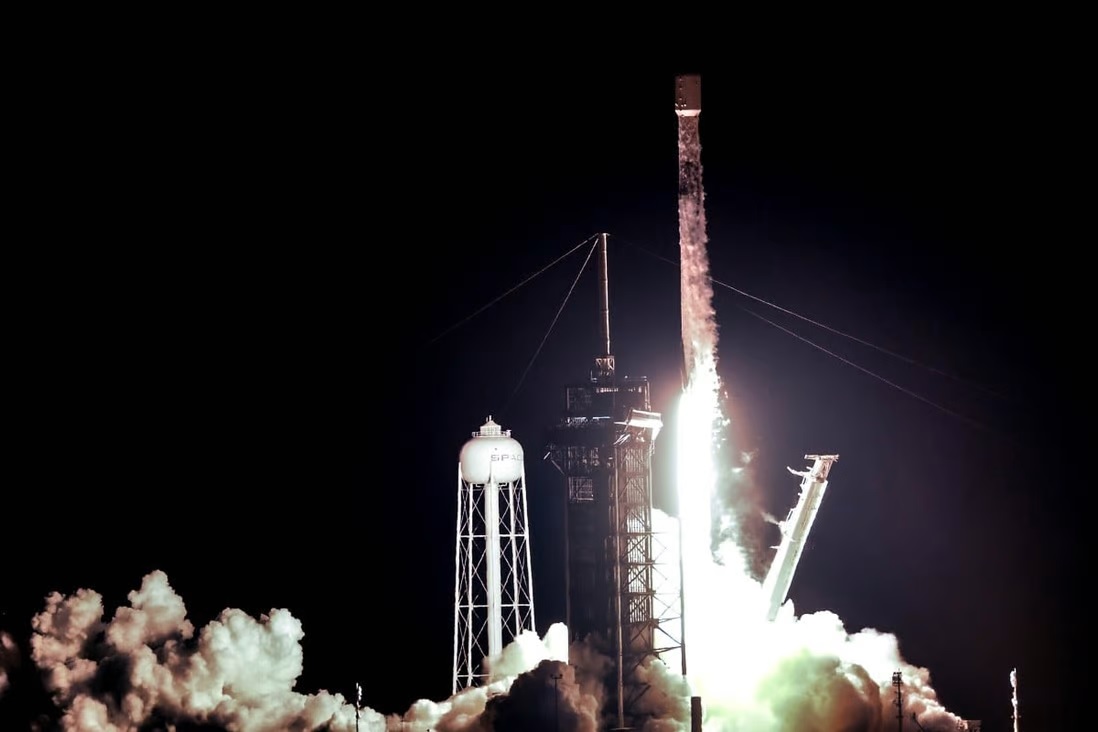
(493, 584)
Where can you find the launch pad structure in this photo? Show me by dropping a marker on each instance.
(621, 583)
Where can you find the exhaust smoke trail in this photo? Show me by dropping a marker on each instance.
(699, 419)
(802, 673)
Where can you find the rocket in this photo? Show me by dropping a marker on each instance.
(688, 95)
(794, 530)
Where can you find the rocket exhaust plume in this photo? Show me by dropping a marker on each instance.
(699, 330)
(699, 415)
(802, 673)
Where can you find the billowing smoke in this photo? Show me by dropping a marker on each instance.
(667, 700)
(9, 659)
(521, 692)
(741, 523)
(147, 666)
(798, 673)
(551, 697)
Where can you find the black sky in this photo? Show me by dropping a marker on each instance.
(227, 367)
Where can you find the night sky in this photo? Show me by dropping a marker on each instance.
(234, 359)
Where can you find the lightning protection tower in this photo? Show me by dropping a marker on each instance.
(493, 584)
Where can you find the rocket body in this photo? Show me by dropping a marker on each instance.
(688, 99)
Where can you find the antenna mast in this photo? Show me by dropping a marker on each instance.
(604, 363)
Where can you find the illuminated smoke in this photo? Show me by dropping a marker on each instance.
(699, 329)
(548, 696)
(797, 673)
(742, 523)
(667, 700)
(699, 419)
(147, 666)
(535, 683)
(9, 659)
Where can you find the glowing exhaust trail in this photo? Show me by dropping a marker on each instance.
(699, 408)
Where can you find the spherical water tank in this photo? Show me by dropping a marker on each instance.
(491, 455)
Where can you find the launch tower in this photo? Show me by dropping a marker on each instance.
(618, 594)
(493, 584)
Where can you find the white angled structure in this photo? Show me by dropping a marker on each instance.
(795, 530)
(493, 584)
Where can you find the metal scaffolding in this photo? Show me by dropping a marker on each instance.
(621, 578)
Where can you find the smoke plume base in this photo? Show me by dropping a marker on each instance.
(148, 667)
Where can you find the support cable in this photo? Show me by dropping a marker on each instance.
(480, 310)
(550, 330)
(957, 415)
(836, 331)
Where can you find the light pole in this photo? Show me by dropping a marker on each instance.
(556, 701)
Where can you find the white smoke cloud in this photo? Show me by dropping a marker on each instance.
(464, 711)
(148, 665)
(667, 699)
(804, 672)
(800, 673)
(527, 651)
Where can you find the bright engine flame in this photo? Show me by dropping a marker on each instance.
(719, 595)
(696, 476)
(802, 672)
